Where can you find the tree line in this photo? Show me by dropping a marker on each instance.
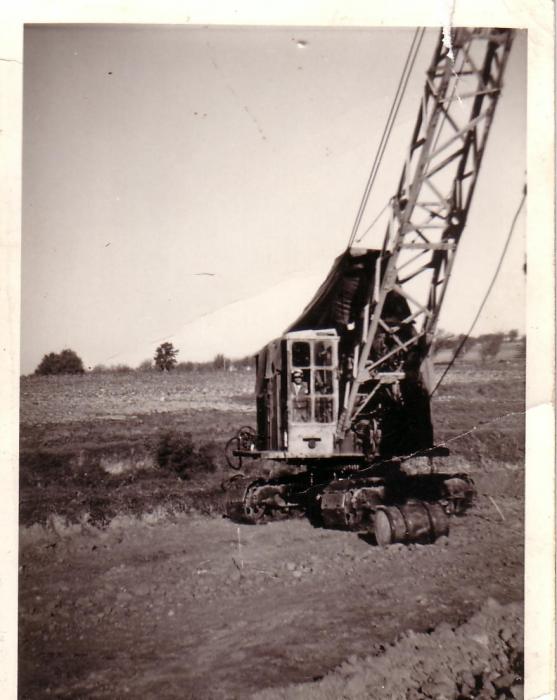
(165, 358)
(488, 345)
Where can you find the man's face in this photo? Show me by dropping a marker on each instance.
(297, 378)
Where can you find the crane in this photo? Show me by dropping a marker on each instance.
(427, 219)
(343, 396)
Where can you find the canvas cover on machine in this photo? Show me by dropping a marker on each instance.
(341, 299)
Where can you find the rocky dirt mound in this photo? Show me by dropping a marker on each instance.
(481, 659)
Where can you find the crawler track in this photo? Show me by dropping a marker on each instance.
(402, 509)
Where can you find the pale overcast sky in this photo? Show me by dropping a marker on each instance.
(173, 172)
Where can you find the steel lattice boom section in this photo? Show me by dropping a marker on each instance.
(431, 205)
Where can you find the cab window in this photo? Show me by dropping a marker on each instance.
(301, 354)
(323, 381)
(323, 353)
(323, 409)
(311, 382)
(301, 409)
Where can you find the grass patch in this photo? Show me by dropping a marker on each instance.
(183, 477)
(177, 453)
(101, 446)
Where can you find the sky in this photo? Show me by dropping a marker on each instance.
(194, 184)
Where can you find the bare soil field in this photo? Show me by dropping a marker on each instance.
(133, 584)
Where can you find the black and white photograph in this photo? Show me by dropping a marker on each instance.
(274, 325)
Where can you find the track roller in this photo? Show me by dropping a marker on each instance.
(240, 505)
(350, 509)
(412, 522)
(336, 511)
(257, 501)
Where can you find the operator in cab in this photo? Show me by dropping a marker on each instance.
(301, 409)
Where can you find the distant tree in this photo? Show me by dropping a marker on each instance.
(444, 340)
(185, 366)
(243, 362)
(490, 344)
(165, 357)
(465, 343)
(219, 362)
(65, 362)
(513, 335)
(120, 369)
(145, 366)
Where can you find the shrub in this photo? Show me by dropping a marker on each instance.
(65, 362)
(208, 456)
(177, 452)
(490, 344)
(513, 335)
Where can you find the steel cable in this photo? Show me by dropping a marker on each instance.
(488, 292)
(393, 112)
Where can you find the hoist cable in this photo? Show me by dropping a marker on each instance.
(386, 133)
(488, 292)
(401, 88)
(368, 229)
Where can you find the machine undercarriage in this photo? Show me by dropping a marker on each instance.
(389, 503)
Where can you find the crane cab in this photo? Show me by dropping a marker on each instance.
(297, 395)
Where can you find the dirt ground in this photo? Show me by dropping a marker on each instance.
(186, 605)
(200, 607)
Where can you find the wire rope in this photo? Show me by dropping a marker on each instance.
(488, 292)
(375, 220)
(403, 81)
(393, 112)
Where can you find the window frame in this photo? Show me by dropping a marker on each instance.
(313, 367)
